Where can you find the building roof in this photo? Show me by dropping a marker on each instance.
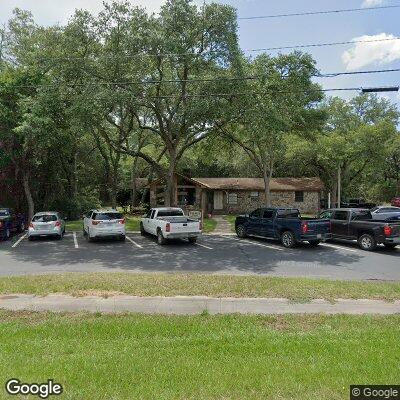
(256, 184)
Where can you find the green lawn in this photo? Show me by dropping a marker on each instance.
(300, 289)
(209, 225)
(201, 357)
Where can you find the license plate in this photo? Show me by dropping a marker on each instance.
(319, 236)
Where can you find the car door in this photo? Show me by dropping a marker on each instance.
(267, 224)
(254, 222)
(340, 223)
(146, 221)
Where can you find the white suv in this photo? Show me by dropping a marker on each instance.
(104, 224)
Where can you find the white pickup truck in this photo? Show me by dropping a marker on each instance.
(170, 223)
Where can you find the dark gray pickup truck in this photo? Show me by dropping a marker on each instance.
(357, 224)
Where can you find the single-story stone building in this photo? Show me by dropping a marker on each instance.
(240, 195)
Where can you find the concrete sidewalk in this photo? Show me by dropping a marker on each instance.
(185, 305)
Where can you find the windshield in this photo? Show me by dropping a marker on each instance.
(44, 218)
(170, 213)
(107, 216)
(288, 214)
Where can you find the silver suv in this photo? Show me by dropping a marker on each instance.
(104, 224)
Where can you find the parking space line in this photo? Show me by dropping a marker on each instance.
(75, 241)
(133, 242)
(19, 241)
(255, 243)
(338, 247)
(202, 245)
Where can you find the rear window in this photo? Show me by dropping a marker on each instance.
(170, 213)
(107, 216)
(288, 214)
(361, 215)
(44, 218)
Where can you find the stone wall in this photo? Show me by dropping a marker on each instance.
(246, 203)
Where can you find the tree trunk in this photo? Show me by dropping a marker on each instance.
(267, 190)
(28, 194)
(334, 193)
(134, 196)
(170, 187)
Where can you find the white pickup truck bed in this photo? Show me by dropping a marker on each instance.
(170, 223)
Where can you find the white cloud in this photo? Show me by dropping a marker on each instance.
(382, 51)
(372, 3)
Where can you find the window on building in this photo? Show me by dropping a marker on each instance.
(299, 196)
(254, 195)
(232, 198)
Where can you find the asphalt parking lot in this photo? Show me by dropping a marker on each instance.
(212, 254)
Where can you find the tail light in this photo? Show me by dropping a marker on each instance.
(57, 224)
(304, 227)
(122, 221)
(168, 227)
(387, 230)
(31, 225)
(95, 222)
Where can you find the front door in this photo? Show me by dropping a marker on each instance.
(218, 200)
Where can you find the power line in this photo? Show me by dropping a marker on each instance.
(220, 79)
(318, 12)
(301, 46)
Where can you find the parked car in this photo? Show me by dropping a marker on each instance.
(104, 224)
(170, 223)
(47, 223)
(284, 224)
(385, 213)
(396, 202)
(11, 222)
(357, 203)
(357, 224)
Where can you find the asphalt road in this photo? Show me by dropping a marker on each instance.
(212, 254)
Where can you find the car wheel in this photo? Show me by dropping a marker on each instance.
(160, 238)
(59, 237)
(314, 243)
(122, 238)
(367, 242)
(241, 231)
(142, 231)
(30, 238)
(390, 246)
(88, 237)
(192, 240)
(288, 240)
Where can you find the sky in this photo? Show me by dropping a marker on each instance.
(277, 32)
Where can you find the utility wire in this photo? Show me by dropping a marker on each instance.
(302, 46)
(220, 79)
(318, 12)
(298, 46)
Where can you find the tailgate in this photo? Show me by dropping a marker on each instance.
(395, 229)
(185, 227)
(318, 226)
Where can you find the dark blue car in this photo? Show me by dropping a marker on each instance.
(283, 224)
(11, 222)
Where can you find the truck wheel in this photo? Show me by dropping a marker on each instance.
(122, 238)
(160, 238)
(314, 243)
(192, 240)
(142, 231)
(288, 240)
(367, 242)
(390, 246)
(241, 231)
